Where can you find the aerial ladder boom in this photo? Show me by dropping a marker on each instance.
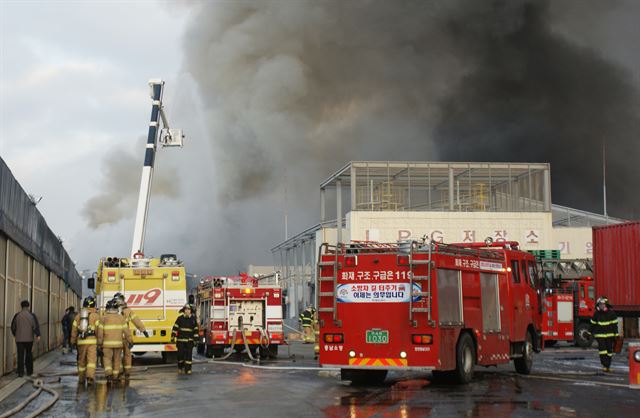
(167, 137)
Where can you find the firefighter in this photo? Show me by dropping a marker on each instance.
(83, 334)
(185, 331)
(604, 327)
(129, 317)
(306, 320)
(113, 334)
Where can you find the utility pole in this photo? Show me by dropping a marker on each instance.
(604, 181)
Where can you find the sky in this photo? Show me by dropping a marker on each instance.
(257, 86)
(74, 91)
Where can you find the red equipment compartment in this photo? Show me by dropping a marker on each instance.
(557, 316)
(616, 257)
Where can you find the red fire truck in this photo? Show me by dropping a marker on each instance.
(569, 301)
(240, 312)
(427, 306)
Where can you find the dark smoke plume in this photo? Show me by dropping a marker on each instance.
(311, 85)
(532, 95)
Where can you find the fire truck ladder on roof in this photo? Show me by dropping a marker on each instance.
(424, 281)
(334, 280)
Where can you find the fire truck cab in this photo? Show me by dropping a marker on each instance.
(240, 312)
(427, 306)
(568, 302)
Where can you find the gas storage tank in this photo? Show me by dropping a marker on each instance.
(616, 259)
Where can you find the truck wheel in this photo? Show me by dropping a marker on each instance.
(363, 377)
(465, 359)
(273, 350)
(212, 351)
(523, 364)
(550, 343)
(583, 338)
(169, 357)
(200, 349)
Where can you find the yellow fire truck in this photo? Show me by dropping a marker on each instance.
(154, 288)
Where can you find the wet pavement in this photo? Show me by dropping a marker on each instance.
(566, 382)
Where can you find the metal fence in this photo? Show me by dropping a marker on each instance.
(34, 266)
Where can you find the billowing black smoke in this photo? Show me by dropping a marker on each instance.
(311, 85)
(531, 95)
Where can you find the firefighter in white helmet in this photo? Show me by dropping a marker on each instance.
(129, 317)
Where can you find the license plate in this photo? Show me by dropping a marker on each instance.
(377, 336)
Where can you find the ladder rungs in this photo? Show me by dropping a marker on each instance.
(420, 262)
(321, 294)
(325, 279)
(425, 294)
(420, 277)
(325, 309)
(420, 309)
(326, 263)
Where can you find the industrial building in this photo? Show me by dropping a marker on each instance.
(34, 266)
(388, 201)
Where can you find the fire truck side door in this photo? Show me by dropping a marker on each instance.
(505, 304)
(520, 304)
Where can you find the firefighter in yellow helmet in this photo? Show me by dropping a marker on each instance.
(113, 334)
(129, 317)
(83, 335)
(185, 332)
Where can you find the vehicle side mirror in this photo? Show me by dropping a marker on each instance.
(91, 283)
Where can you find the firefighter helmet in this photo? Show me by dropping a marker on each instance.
(112, 305)
(119, 298)
(89, 302)
(602, 299)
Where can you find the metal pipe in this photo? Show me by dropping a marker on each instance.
(338, 211)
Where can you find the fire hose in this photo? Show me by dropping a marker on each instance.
(40, 387)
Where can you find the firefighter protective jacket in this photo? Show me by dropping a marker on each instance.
(130, 317)
(113, 331)
(90, 336)
(185, 329)
(604, 324)
(306, 318)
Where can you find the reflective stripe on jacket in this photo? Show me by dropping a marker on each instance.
(92, 329)
(185, 329)
(604, 324)
(113, 331)
(130, 317)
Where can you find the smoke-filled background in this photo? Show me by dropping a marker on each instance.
(288, 92)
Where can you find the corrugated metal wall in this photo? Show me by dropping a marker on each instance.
(34, 266)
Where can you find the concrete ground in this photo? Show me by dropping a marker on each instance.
(566, 382)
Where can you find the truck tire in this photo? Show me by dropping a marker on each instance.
(169, 357)
(212, 351)
(583, 338)
(465, 359)
(525, 363)
(200, 349)
(363, 377)
(273, 350)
